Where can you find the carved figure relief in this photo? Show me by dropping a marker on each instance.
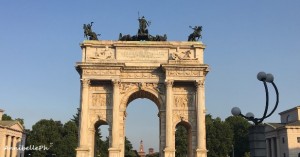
(185, 55)
(99, 99)
(104, 115)
(183, 101)
(102, 54)
(188, 116)
(142, 86)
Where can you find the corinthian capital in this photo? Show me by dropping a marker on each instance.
(169, 83)
(200, 83)
(116, 83)
(85, 82)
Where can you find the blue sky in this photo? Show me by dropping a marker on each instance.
(40, 45)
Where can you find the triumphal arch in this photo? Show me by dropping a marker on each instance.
(170, 73)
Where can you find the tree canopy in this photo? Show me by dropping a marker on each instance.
(218, 137)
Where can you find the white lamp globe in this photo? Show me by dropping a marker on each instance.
(261, 76)
(270, 78)
(235, 111)
(250, 115)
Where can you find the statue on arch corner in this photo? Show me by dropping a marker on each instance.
(196, 34)
(88, 33)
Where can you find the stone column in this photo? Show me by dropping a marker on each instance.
(19, 145)
(2, 144)
(201, 129)
(83, 149)
(273, 146)
(92, 142)
(114, 151)
(268, 147)
(8, 150)
(169, 149)
(14, 147)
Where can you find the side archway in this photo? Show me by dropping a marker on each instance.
(183, 139)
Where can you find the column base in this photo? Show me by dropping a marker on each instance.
(201, 153)
(114, 152)
(82, 151)
(169, 152)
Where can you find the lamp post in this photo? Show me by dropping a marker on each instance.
(265, 78)
(256, 133)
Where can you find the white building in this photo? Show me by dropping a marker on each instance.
(283, 139)
(12, 137)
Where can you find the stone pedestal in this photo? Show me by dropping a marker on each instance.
(82, 152)
(169, 152)
(114, 152)
(257, 141)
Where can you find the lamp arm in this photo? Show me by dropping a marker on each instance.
(277, 100)
(267, 103)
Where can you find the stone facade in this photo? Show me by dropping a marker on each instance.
(12, 136)
(283, 139)
(114, 73)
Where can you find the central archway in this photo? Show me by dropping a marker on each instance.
(142, 124)
(144, 91)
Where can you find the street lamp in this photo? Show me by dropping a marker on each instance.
(265, 78)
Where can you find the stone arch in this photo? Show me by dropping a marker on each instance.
(187, 125)
(141, 70)
(96, 122)
(135, 93)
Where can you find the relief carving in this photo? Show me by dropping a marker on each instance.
(125, 87)
(180, 116)
(101, 72)
(186, 55)
(141, 75)
(187, 116)
(183, 73)
(103, 115)
(183, 101)
(102, 54)
(99, 99)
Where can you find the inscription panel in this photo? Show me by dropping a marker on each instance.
(142, 54)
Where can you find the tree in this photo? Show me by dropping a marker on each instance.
(46, 133)
(101, 147)
(219, 137)
(181, 141)
(69, 140)
(240, 127)
(76, 117)
(6, 117)
(128, 148)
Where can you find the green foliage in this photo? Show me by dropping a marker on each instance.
(240, 127)
(247, 154)
(128, 148)
(60, 139)
(218, 137)
(76, 117)
(153, 155)
(45, 133)
(101, 147)
(6, 117)
(181, 141)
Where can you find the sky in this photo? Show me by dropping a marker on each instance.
(39, 47)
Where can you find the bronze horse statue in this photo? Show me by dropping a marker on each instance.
(196, 34)
(88, 33)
